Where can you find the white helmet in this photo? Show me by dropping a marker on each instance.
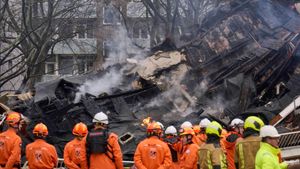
(171, 130)
(236, 121)
(204, 123)
(186, 124)
(268, 131)
(161, 125)
(100, 118)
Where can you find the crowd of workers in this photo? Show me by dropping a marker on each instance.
(248, 144)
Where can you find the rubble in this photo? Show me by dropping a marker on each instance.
(244, 61)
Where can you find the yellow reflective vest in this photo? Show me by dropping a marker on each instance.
(211, 157)
(245, 152)
(267, 158)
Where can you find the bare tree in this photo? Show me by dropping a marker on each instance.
(176, 16)
(35, 27)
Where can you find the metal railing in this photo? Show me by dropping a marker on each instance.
(61, 164)
(289, 139)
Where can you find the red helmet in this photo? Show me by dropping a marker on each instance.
(40, 129)
(80, 129)
(13, 118)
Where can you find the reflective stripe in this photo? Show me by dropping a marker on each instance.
(223, 161)
(241, 157)
(209, 163)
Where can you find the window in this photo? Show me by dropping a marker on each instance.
(140, 31)
(144, 33)
(85, 30)
(111, 15)
(66, 64)
(50, 65)
(81, 30)
(50, 68)
(107, 48)
(136, 32)
(90, 30)
(84, 64)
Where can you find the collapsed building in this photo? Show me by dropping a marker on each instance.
(244, 61)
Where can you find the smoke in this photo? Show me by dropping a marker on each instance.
(120, 47)
(105, 84)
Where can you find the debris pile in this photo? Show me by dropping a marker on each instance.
(243, 61)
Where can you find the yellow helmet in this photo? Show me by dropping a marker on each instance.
(214, 128)
(254, 123)
(187, 131)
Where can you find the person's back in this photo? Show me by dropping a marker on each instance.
(103, 149)
(40, 154)
(152, 153)
(10, 143)
(10, 149)
(75, 150)
(210, 156)
(246, 149)
(111, 158)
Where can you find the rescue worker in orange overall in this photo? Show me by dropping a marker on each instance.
(189, 158)
(10, 143)
(172, 139)
(202, 135)
(103, 149)
(40, 154)
(234, 135)
(211, 155)
(188, 124)
(152, 153)
(75, 152)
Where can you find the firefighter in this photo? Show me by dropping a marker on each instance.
(10, 143)
(246, 149)
(171, 139)
(211, 155)
(186, 124)
(189, 158)
(103, 149)
(40, 154)
(152, 153)
(202, 136)
(74, 152)
(267, 155)
(236, 128)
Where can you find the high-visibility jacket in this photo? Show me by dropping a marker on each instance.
(245, 151)
(152, 153)
(75, 154)
(112, 159)
(211, 157)
(189, 157)
(267, 158)
(10, 149)
(40, 154)
(229, 142)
